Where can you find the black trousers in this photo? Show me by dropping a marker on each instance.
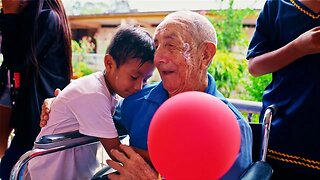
(11, 156)
(284, 171)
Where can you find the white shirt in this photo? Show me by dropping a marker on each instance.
(85, 105)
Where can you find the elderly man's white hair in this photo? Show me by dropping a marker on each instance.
(202, 29)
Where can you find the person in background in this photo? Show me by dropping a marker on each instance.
(185, 46)
(36, 47)
(5, 105)
(5, 114)
(286, 43)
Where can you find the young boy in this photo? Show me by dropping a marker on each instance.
(88, 103)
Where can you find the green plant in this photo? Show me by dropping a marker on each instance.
(255, 86)
(228, 68)
(81, 69)
(81, 7)
(75, 46)
(79, 50)
(227, 71)
(229, 24)
(1, 58)
(230, 71)
(85, 45)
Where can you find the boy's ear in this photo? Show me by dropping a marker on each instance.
(109, 62)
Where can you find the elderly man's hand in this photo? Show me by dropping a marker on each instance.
(131, 166)
(45, 109)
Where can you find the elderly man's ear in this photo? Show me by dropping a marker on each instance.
(209, 50)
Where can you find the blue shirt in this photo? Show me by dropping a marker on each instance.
(295, 89)
(138, 110)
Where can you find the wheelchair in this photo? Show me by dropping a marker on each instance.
(258, 170)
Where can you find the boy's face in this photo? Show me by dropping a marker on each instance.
(129, 77)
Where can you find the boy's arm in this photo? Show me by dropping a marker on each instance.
(114, 143)
(307, 43)
(110, 143)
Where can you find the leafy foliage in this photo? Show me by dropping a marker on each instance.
(85, 45)
(228, 68)
(253, 90)
(80, 68)
(255, 86)
(229, 25)
(227, 71)
(88, 8)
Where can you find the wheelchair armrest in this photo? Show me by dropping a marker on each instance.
(257, 171)
(49, 144)
(103, 173)
(53, 143)
(63, 139)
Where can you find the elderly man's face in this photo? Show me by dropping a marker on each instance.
(176, 57)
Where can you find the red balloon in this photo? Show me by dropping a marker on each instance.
(193, 135)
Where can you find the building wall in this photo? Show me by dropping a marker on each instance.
(103, 37)
(104, 34)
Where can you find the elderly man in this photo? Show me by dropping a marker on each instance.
(185, 45)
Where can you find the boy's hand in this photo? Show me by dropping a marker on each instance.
(45, 109)
(309, 42)
(131, 166)
(13, 6)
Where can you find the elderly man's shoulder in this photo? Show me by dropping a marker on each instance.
(143, 92)
(133, 102)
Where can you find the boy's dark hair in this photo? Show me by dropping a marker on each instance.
(131, 42)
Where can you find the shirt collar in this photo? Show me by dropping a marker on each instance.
(158, 94)
(211, 89)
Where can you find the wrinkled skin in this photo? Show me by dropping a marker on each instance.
(133, 166)
(178, 58)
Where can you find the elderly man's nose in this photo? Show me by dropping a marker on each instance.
(159, 60)
(160, 56)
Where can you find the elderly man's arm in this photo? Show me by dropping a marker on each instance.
(131, 166)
